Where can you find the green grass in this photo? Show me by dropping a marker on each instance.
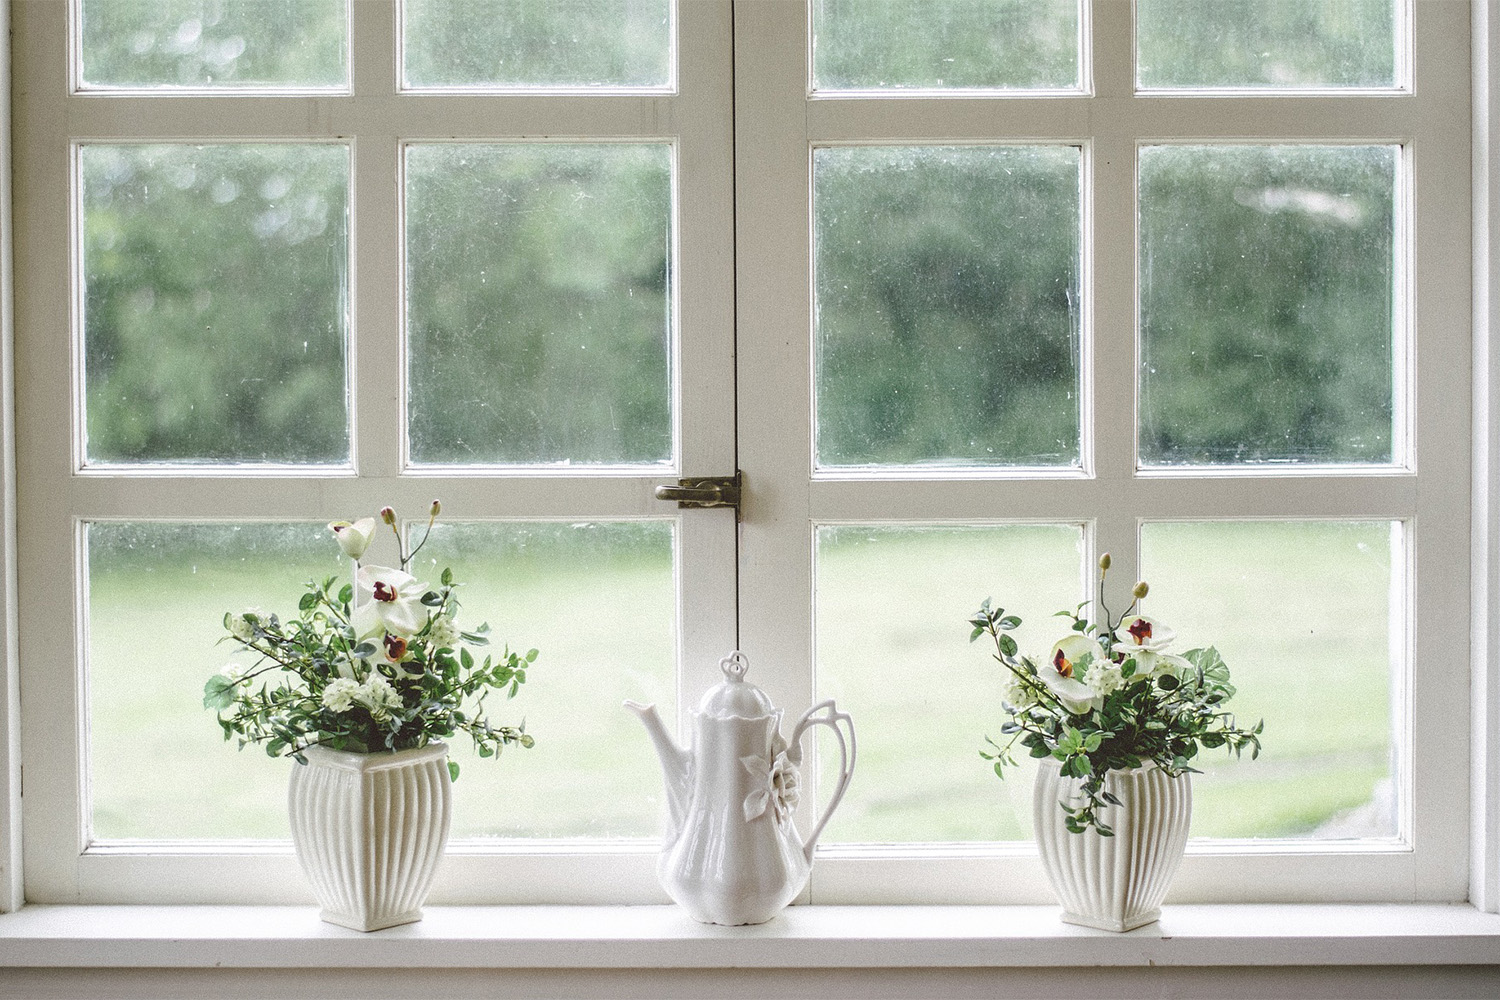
(1298, 610)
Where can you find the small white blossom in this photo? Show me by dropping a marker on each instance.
(1104, 678)
(1017, 693)
(234, 671)
(443, 633)
(377, 695)
(240, 626)
(338, 696)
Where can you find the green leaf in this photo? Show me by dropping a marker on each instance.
(308, 602)
(346, 593)
(466, 658)
(447, 577)
(1008, 645)
(531, 655)
(432, 599)
(1008, 622)
(218, 693)
(452, 770)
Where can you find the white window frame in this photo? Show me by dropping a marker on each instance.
(1468, 864)
(779, 121)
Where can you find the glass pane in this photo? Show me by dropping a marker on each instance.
(1267, 292)
(1266, 44)
(598, 600)
(945, 45)
(523, 44)
(892, 603)
(215, 313)
(217, 44)
(539, 303)
(1302, 612)
(157, 598)
(947, 305)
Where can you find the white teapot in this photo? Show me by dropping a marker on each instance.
(731, 853)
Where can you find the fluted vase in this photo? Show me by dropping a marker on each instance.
(369, 829)
(1113, 883)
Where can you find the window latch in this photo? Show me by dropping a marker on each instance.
(705, 491)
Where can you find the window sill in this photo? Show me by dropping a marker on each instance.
(805, 937)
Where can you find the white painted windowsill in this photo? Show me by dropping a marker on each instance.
(663, 937)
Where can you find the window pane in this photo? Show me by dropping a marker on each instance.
(522, 44)
(1270, 44)
(218, 44)
(1267, 291)
(598, 600)
(157, 598)
(947, 305)
(945, 45)
(215, 311)
(539, 303)
(1307, 614)
(892, 603)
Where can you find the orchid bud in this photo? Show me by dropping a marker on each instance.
(1140, 590)
(353, 538)
(437, 508)
(1104, 562)
(388, 515)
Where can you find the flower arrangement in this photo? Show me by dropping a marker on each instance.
(1110, 697)
(380, 664)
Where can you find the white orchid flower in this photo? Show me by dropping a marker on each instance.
(1070, 653)
(354, 537)
(1141, 633)
(388, 599)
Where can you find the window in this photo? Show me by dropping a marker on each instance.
(1069, 287)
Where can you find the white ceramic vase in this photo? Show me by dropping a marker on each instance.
(1113, 883)
(369, 829)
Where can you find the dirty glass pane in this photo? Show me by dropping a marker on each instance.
(1268, 284)
(215, 303)
(1307, 614)
(525, 44)
(215, 44)
(1266, 44)
(539, 303)
(945, 45)
(947, 305)
(892, 649)
(157, 596)
(598, 600)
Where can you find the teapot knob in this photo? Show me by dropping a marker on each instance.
(735, 666)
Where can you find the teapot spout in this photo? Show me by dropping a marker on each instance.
(676, 764)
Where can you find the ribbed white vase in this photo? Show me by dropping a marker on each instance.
(1113, 883)
(369, 829)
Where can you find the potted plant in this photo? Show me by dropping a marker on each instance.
(361, 688)
(1115, 721)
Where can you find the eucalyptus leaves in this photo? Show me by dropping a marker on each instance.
(1109, 697)
(380, 664)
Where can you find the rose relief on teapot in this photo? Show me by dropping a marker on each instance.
(731, 853)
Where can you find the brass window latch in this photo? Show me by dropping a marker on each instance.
(705, 491)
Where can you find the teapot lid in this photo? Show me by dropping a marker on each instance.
(735, 698)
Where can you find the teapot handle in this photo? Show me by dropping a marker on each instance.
(830, 717)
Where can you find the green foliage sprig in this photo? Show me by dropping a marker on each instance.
(372, 666)
(1109, 698)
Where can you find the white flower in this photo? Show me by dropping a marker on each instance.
(1142, 633)
(388, 599)
(1072, 653)
(377, 695)
(443, 633)
(234, 671)
(354, 537)
(1017, 693)
(777, 787)
(1104, 679)
(338, 696)
(240, 625)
